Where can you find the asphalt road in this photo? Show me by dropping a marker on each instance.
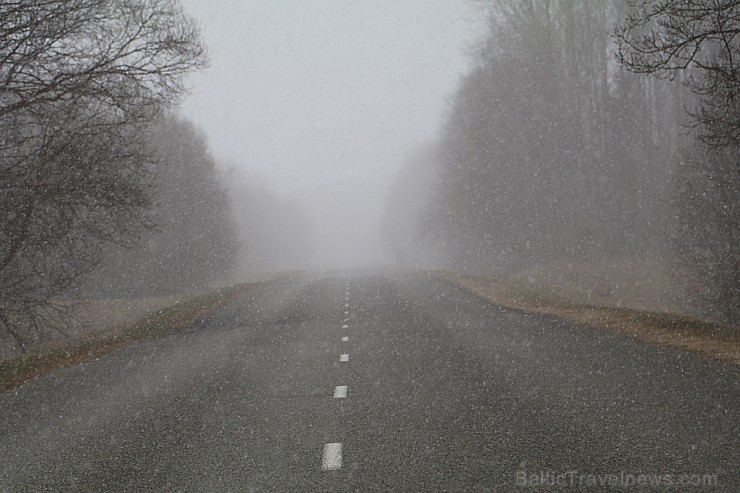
(444, 392)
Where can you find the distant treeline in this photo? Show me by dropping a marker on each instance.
(192, 241)
(208, 224)
(553, 152)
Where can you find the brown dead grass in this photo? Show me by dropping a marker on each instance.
(178, 316)
(670, 329)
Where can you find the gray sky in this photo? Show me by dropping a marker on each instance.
(324, 99)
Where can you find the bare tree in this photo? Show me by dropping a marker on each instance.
(80, 80)
(701, 38)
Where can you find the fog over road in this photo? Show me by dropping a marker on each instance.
(438, 391)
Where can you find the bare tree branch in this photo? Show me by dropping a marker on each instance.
(701, 38)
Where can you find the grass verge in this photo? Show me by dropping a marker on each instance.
(717, 341)
(15, 371)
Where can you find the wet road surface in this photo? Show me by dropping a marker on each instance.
(376, 383)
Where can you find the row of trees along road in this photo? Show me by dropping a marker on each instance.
(193, 240)
(698, 44)
(81, 84)
(552, 152)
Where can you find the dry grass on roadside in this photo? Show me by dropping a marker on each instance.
(178, 316)
(686, 332)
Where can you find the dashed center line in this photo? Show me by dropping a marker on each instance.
(332, 460)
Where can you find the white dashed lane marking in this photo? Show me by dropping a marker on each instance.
(332, 460)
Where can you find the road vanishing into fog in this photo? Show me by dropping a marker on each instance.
(375, 383)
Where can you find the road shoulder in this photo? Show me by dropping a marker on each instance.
(180, 315)
(710, 339)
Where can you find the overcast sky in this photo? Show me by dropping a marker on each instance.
(323, 99)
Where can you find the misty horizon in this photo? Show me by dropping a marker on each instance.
(323, 103)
